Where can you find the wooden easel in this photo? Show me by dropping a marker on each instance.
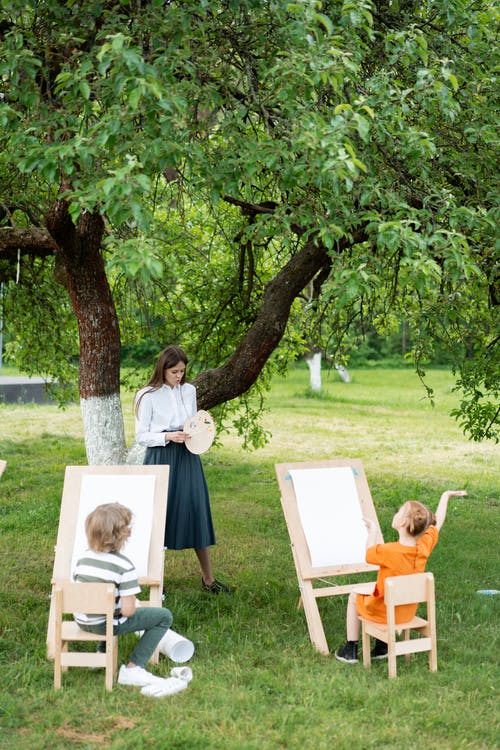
(141, 488)
(329, 510)
(3, 464)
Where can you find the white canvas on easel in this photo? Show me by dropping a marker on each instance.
(324, 503)
(144, 490)
(137, 494)
(330, 494)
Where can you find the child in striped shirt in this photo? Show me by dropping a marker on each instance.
(107, 529)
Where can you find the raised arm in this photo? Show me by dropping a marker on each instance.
(443, 505)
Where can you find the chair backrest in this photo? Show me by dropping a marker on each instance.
(408, 589)
(403, 591)
(91, 598)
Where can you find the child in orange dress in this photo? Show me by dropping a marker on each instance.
(418, 530)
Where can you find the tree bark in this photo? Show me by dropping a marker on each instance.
(80, 267)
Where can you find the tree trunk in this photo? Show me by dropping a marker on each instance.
(313, 359)
(80, 267)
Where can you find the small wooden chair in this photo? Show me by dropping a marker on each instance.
(408, 589)
(91, 598)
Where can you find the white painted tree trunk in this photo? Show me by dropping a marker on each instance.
(314, 364)
(104, 430)
(343, 373)
(135, 454)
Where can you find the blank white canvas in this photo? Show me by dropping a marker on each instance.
(330, 513)
(136, 493)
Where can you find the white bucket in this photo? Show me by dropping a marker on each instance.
(176, 647)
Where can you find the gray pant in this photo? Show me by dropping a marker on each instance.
(154, 621)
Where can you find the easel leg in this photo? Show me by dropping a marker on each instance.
(155, 594)
(316, 630)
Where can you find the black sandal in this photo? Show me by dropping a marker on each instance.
(216, 587)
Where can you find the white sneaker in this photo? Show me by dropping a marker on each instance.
(136, 676)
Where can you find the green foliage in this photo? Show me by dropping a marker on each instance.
(479, 408)
(368, 127)
(46, 339)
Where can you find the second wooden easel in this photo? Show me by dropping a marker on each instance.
(324, 503)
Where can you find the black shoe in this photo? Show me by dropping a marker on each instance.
(348, 652)
(216, 587)
(379, 651)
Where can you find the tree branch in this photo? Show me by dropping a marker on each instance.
(240, 372)
(36, 243)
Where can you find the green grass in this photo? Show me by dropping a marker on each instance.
(258, 683)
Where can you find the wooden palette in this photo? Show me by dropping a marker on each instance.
(201, 427)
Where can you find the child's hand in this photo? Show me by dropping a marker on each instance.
(368, 523)
(443, 505)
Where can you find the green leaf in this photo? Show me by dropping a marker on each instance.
(84, 89)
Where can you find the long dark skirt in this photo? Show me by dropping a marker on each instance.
(189, 519)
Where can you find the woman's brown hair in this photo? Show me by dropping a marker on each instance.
(169, 357)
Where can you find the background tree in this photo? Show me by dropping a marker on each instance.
(351, 142)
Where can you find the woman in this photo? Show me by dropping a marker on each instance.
(162, 407)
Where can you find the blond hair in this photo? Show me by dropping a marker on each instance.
(108, 527)
(418, 518)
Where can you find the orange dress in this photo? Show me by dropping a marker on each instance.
(395, 559)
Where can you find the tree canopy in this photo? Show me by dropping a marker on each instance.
(187, 169)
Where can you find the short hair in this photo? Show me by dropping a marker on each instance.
(108, 527)
(418, 518)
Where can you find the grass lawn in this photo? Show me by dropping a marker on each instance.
(258, 683)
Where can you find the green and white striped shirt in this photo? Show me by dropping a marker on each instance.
(106, 567)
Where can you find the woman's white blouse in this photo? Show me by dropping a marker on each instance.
(165, 409)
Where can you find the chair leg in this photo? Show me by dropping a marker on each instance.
(433, 659)
(108, 674)
(109, 678)
(365, 640)
(111, 662)
(391, 657)
(406, 637)
(115, 658)
(64, 649)
(57, 673)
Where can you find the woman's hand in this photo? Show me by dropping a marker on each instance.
(178, 437)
